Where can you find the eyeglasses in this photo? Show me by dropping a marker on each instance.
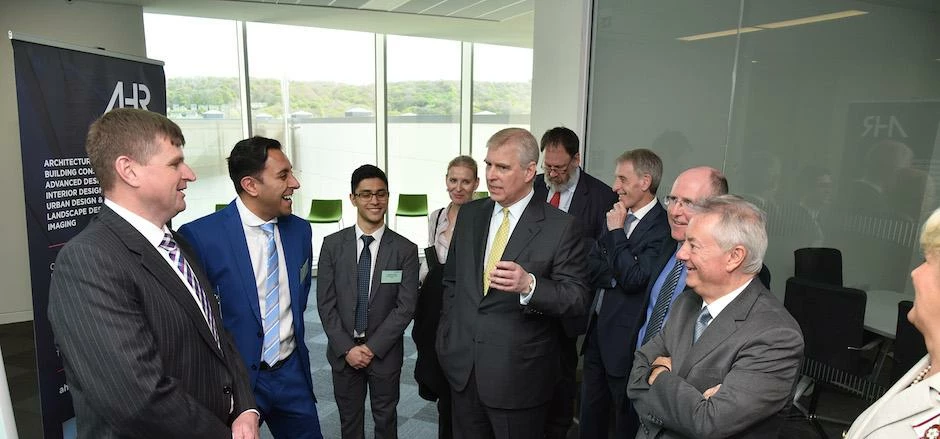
(556, 169)
(670, 200)
(368, 196)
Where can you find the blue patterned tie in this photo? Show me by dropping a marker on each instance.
(169, 244)
(704, 318)
(363, 272)
(663, 300)
(272, 308)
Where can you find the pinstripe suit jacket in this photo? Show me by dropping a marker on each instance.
(139, 358)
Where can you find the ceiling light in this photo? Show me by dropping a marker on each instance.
(723, 33)
(813, 19)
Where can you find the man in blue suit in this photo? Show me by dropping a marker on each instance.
(257, 256)
(621, 264)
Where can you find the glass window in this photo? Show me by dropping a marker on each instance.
(502, 94)
(328, 77)
(202, 77)
(423, 122)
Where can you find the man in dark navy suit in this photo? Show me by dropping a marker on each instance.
(621, 264)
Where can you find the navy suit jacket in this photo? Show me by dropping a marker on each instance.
(590, 203)
(631, 263)
(219, 240)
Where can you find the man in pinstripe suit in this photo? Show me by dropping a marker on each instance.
(135, 319)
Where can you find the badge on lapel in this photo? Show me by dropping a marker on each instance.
(391, 276)
(928, 428)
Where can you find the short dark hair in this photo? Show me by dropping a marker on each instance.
(563, 137)
(130, 132)
(364, 172)
(248, 158)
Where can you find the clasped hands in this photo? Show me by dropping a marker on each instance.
(662, 364)
(359, 356)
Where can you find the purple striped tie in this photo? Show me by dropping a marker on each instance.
(169, 244)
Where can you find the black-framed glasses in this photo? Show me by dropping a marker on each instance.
(556, 169)
(670, 200)
(369, 195)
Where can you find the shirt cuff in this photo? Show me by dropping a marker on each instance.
(525, 298)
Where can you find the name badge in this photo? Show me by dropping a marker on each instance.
(391, 276)
(928, 426)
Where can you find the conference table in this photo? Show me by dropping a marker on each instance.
(881, 311)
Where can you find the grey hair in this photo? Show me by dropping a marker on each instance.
(739, 223)
(645, 162)
(522, 139)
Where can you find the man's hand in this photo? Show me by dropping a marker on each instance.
(246, 425)
(359, 357)
(708, 393)
(510, 277)
(616, 216)
(659, 365)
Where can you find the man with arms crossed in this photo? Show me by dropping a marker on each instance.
(257, 256)
(620, 265)
(367, 287)
(135, 318)
(514, 268)
(727, 360)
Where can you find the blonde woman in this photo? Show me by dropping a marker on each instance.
(461, 180)
(911, 408)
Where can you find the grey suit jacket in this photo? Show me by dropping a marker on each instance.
(902, 406)
(391, 305)
(139, 358)
(513, 349)
(753, 349)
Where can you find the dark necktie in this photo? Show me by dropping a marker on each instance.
(663, 301)
(556, 200)
(704, 318)
(363, 272)
(169, 244)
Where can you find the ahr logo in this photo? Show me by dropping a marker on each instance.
(139, 97)
(874, 126)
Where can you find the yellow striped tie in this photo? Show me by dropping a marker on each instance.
(496, 252)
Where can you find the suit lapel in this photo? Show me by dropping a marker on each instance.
(479, 235)
(722, 326)
(581, 195)
(527, 228)
(648, 220)
(381, 261)
(914, 400)
(239, 251)
(152, 262)
(292, 255)
(348, 258)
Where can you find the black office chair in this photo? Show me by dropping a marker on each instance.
(832, 319)
(818, 264)
(909, 344)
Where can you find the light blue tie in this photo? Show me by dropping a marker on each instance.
(272, 309)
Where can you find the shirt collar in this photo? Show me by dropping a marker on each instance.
(722, 302)
(516, 209)
(377, 234)
(153, 234)
(248, 217)
(641, 212)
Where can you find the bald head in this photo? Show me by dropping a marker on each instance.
(691, 187)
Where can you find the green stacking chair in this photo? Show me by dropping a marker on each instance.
(325, 211)
(412, 205)
(480, 194)
(219, 207)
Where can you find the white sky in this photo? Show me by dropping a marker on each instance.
(207, 47)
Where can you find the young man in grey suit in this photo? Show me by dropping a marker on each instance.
(515, 267)
(367, 287)
(135, 318)
(727, 360)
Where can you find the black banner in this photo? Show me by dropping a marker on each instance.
(60, 92)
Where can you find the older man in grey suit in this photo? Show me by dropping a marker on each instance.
(365, 307)
(726, 362)
(134, 316)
